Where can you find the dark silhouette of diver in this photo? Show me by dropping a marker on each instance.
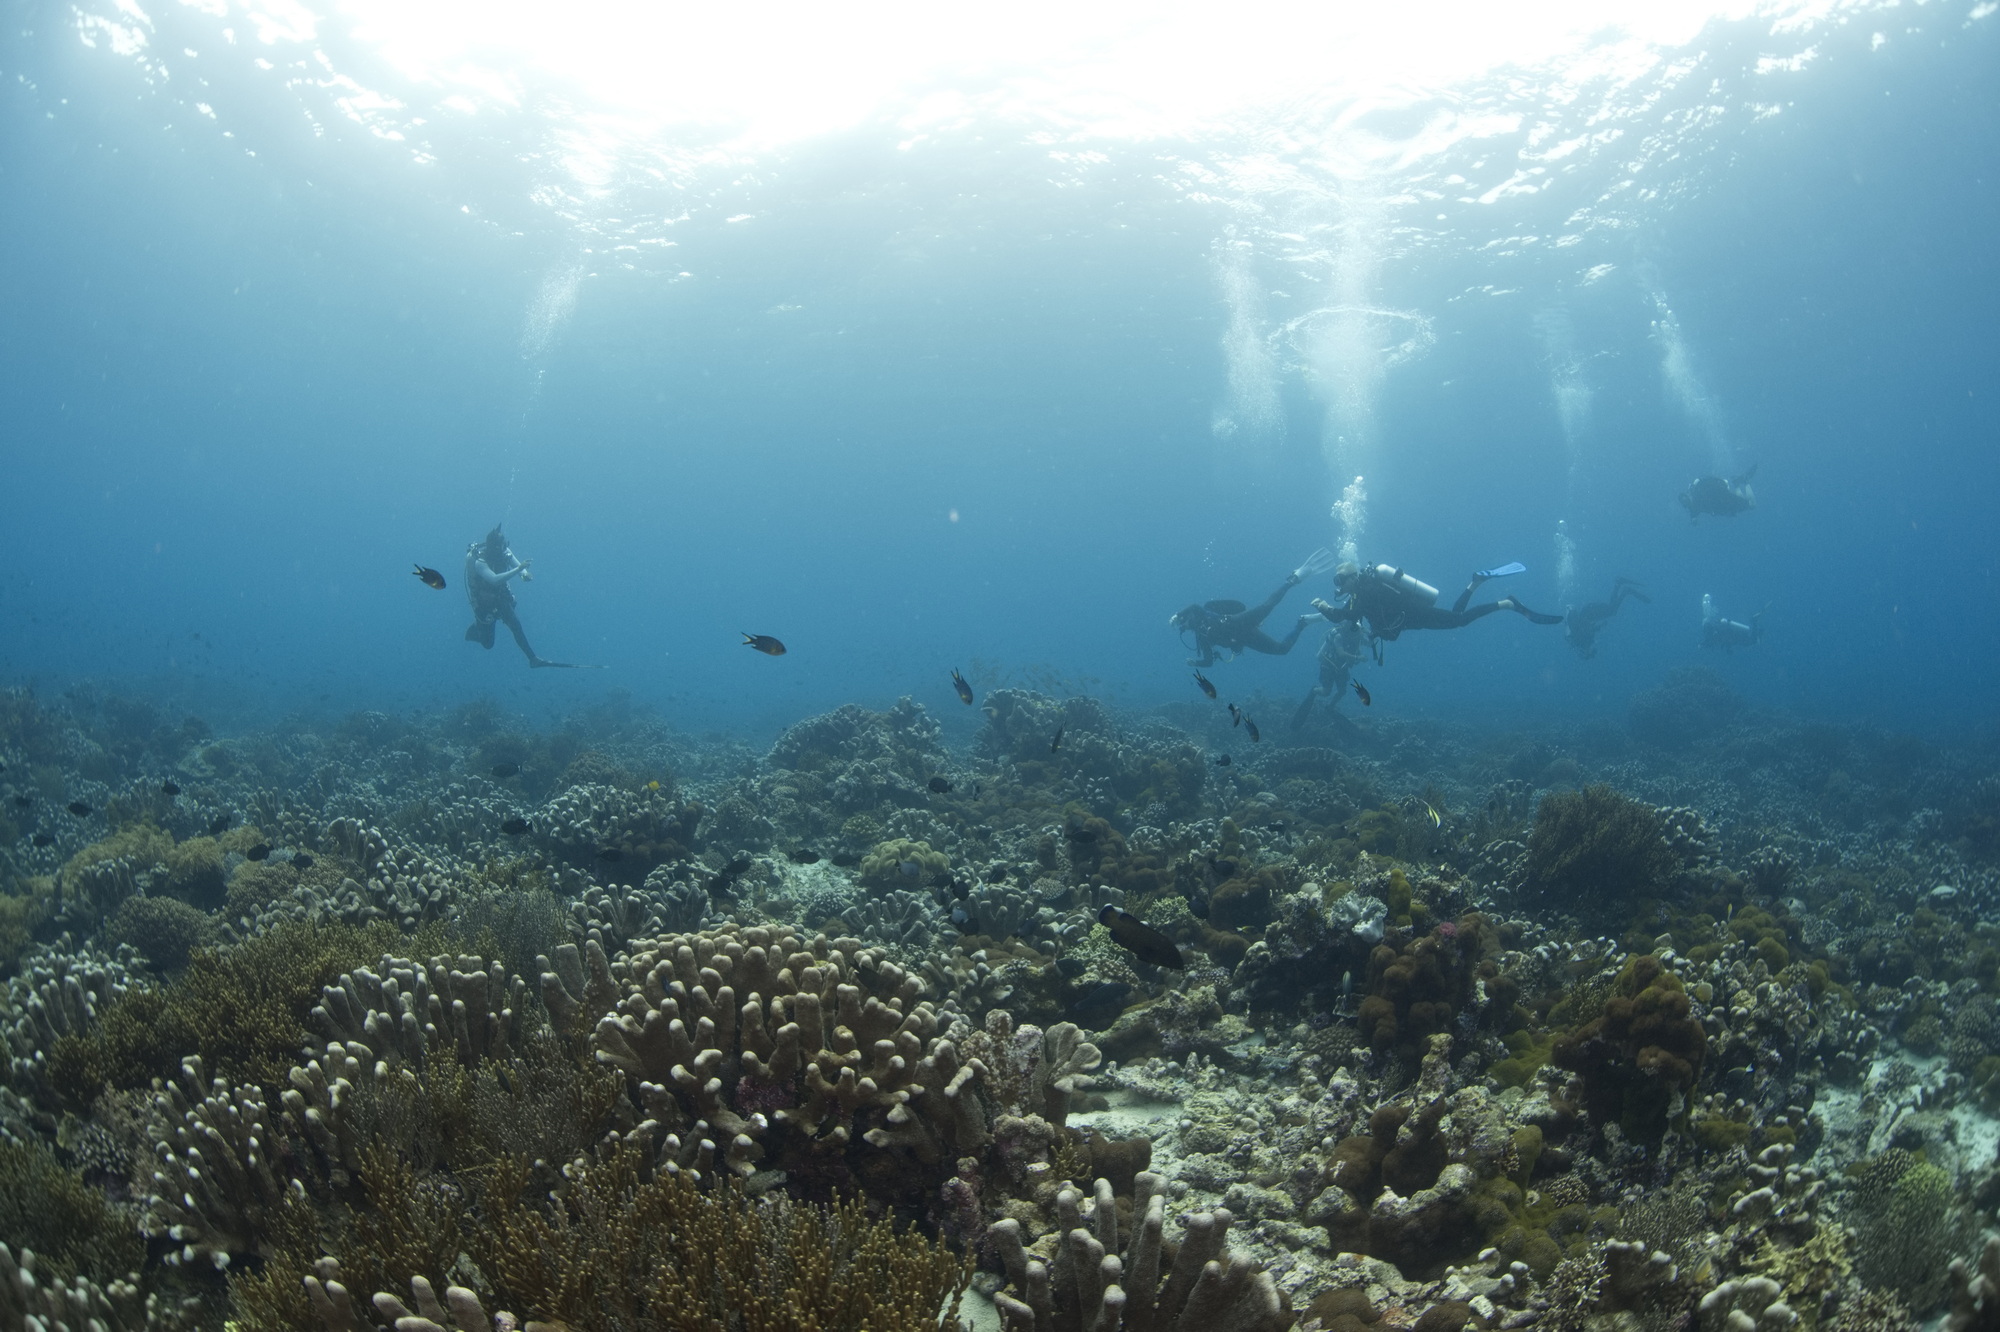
(1725, 497)
(1229, 626)
(489, 565)
(1580, 626)
(1727, 634)
(1343, 649)
(1389, 601)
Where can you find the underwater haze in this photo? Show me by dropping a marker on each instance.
(1127, 667)
(925, 341)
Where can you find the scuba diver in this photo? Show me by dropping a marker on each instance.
(488, 567)
(1580, 626)
(1343, 649)
(1728, 634)
(1391, 601)
(1228, 626)
(1723, 497)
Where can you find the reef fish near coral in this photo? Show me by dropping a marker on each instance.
(1141, 940)
(939, 786)
(963, 689)
(78, 808)
(1206, 685)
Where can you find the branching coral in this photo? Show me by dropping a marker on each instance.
(467, 1006)
(217, 1187)
(1099, 1280)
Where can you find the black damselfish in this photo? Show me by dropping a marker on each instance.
(1139, 939)
(430, 577)
(765, 644)
(964, 690)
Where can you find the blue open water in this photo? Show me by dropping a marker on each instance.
(998, 389)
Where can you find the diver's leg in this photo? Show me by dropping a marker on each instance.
(1304, 713)
(520, 637)
(1254, 617)
(1457, 607)
(1259, 641)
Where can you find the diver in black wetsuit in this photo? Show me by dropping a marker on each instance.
(1344, 648)
(1719, 631)
(1389, 601)
(1229, 626)
(1580, 626)
(1725, 497)
(488, 567)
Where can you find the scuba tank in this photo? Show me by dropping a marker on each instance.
(1412, 591)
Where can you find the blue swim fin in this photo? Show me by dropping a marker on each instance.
(1503, 571)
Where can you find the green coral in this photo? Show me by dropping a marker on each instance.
(21, 910)
(72, 1227)
(163, 930)
(142, 844)
(242, 1008)
(1909, 1223)
(193, 870)
(884, 867)
(1595, 846)
(1530, 1053)
(1641, 1056)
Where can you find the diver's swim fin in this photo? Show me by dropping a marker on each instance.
(1504, 571)
(1535, 617)
(564, 665)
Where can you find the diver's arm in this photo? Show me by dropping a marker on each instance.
(1348, 614)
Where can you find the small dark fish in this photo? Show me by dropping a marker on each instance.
(431, 577)
(939, 786)
(78, 808)
(1099, 1006)
(43, 839)
(1139, 939)
(220, 824)
(24, 801)
(611, 855)
(1071, 967)
(964, 690)
(505, 770)
(514, 827)
(962, 920)
(1080, 834)
(169, 789)
(1198, 904)
(1206, 687)
(301, 861)
(1224, 761)
(910, 869)
(1251, 727)
(801, 856)
(765, 644)
(500, 1076)
(261, 851)
(1361, 692)
(1235, 717)
(1056, 743)
(975, 790)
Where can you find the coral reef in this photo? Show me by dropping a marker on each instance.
(413, 1019)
